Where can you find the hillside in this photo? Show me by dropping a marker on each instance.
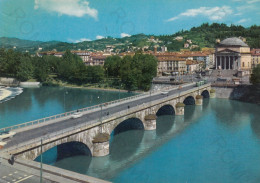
(197, 38)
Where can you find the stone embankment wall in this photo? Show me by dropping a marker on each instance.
(30, 84)
(245, 93)
(9, 81)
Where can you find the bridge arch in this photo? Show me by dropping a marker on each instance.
(205, 94)
(166, 109)
(189, 100)
(79, 138)
(132, 123)
(65, 150)
(126, 139)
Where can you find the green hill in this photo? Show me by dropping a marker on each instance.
(202, 36)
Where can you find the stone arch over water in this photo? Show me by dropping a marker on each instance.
(128, 124)
(189, 100)
(165, 110)
(126, 139)
(205, 94)
(64, 150)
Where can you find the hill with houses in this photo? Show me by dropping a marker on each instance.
(194, 39)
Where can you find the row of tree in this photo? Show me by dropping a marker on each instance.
(131, 73)
(69, 68)
(135, 72)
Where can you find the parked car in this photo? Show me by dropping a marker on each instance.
(76, 115)
(6, 135)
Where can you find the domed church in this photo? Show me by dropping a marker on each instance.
(233, 54)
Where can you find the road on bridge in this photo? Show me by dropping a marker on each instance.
(24, 136)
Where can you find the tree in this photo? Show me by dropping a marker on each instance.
(255, 76)
(25, 69)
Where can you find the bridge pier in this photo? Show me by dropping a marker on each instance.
(180, 109)
(150, 122)
(212, 93)
(199, 100)
(101, 144)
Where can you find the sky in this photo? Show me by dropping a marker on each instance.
(83, 20)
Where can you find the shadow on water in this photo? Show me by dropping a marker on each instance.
(164, 124)
(74, 156)
(231, 113)
(205, 103)
(126, 138)
(188, 113)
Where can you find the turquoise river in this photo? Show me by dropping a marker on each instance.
(218, 142)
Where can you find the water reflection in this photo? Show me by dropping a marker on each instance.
(78, 164)
(188, 112)
(126, 139)
(231, 113)
(164, 124)
(74, 156)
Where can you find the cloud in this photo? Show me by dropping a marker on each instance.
(247, 1)
(78, 8)
(213, 13)
(238, 14)
(125, 35)
(78, 40)
(243, 20)
(99, 37)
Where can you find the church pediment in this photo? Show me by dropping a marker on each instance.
(227, 51)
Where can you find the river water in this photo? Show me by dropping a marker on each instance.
(218, 142)
(36, 103)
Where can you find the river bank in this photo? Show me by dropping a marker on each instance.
(244, 93)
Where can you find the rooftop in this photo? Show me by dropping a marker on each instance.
(233, 41)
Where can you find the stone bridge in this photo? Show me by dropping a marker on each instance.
(94, 135)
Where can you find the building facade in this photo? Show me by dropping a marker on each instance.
(255, 56)
(171, 65)
(233, 54)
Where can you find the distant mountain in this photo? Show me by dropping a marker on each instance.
(194, 39)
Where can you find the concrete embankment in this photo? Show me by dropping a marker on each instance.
(245, 93)
(49, 173)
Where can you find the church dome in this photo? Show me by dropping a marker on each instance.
(233, 41)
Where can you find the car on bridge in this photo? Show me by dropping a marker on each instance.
(6, 135)
(164, 92)
(76, 115)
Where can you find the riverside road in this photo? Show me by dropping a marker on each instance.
(37, 132)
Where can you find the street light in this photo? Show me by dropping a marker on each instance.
(41, 164)
(64, 97)
(100, 116)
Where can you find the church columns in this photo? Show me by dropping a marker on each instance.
(225, 60)
(229, 60)
(216, 61)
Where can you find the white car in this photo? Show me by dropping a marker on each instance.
(76, 115)
(164, 92)
(6, 135)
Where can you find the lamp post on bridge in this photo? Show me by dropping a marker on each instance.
(41, 164)
(64, 98)
(100, 116)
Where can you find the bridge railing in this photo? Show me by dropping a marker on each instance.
(68, 114)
